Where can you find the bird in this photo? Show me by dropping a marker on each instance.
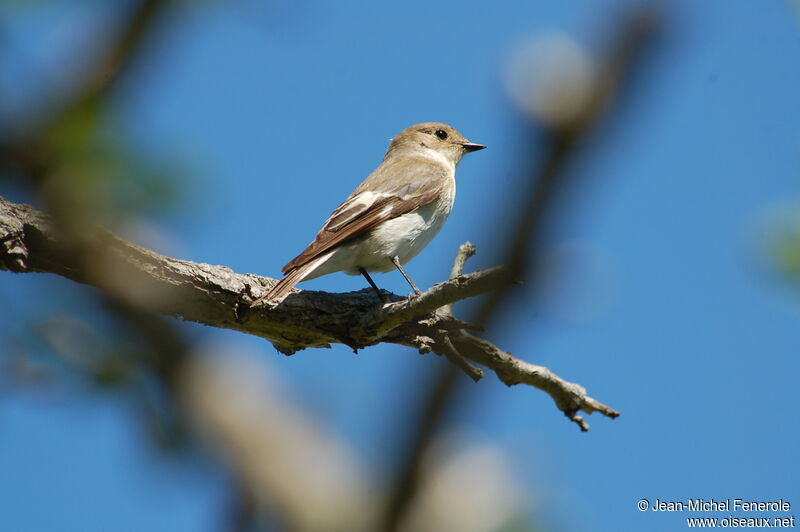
(390, 217)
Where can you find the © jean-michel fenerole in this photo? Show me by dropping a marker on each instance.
(391, 216)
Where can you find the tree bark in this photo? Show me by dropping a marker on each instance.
(219, 297)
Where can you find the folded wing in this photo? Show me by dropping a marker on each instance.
(369, 205)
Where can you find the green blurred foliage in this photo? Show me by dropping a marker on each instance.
(786, 251)
(68, 353)
(81, 164)
(101, 178)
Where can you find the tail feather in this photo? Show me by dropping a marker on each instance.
(284, 287)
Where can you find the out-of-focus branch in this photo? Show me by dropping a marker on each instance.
(34, 154)
(522, 250)
(290, 465)
(142, 281)
(38, 156)
(120, 53)
(562, 139)
(42, 155)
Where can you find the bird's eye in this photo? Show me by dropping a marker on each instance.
(441, 133)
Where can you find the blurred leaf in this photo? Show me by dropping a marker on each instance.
(99, 177)
(778, 233)
(787, 254)
(68, 353)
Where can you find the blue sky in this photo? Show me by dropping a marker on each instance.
(280, 111)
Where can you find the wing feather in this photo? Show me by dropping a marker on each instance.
(365, 209)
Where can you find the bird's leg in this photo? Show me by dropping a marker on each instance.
(373, 285)
(396, 262)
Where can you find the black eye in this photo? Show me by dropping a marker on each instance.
(441, 133)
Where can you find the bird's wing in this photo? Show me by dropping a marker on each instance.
(365, 209)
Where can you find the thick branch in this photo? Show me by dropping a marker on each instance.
(219, 297)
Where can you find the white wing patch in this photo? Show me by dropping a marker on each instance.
(351, 209)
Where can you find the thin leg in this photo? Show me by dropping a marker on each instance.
(396, 262)
(372, 284)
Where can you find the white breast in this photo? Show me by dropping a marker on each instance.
(407, 235)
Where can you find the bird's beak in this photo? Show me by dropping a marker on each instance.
(472, 146)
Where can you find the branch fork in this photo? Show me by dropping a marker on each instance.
(219, 297)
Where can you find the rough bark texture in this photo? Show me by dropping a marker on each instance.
(219, 297)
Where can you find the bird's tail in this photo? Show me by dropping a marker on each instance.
(284, 286)
(279, 292)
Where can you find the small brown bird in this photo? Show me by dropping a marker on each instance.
(391, 216)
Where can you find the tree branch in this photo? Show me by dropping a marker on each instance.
(569, 397)
(384, 319)
(219, 297)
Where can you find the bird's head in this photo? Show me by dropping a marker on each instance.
(432, 139)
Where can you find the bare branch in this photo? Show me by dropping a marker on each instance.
(386, 318)
(465, 251)
(570, 398)
(219, 297)
(456, 358)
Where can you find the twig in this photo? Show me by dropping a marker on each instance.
(465, 251)
(386, 318)
(570, 398)
(455, 357)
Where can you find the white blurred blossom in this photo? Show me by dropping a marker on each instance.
(553, 78)
(467, 488)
